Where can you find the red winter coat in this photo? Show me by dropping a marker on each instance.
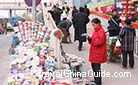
(98, 52)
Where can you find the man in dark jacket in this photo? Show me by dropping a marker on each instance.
(86, 10)
(56, 14)
(74, 11)
(127, 35)
(59, 12)
(80, 19)
(114, 22)
(114, 30)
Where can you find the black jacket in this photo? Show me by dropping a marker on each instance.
(80, 20)
(56, 15)
(114, 27)
(74, 11)
(65, 24)
(87, 11)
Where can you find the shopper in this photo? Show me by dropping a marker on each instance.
(80, 20)
(58, 8)
(74, 11)
(56, 14)
(64, 25)
(64, 14)
(53, 13)
(98, 52)
(86, 10)
(127, 35)
(114, 29)
(59, 11)
(67, 9)
(114, 23)
(4, 25)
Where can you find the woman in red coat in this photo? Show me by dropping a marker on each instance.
(98, 52)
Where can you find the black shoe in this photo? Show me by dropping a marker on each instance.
(131, 67)
(124, 67)
(80, 49)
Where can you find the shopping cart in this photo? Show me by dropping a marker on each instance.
(110, 42)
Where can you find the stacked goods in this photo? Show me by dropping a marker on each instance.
(34, 61)
(27, 65)
(27, 32)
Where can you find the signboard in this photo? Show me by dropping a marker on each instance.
(107, 8)
(30, 2)
(102, 5)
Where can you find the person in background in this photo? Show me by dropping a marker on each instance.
(98, 53)
(64, 25)
(127, 35)
(59, 11)
(45, 4)
(39, 16)
(80, 20)
(4, 25)
(1, 28)
(58, 8)
(86, 10)
(67, 9)
(74, 11)
(55, 14)
(114, 29)
(64, 14)
(114, 23)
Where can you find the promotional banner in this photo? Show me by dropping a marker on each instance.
(102, 5)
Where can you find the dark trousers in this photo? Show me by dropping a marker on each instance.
(97, 73)
(131, 58)
(80, 45)
(64, 39)
(69, 36)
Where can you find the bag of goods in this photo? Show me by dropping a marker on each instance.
(117, 48)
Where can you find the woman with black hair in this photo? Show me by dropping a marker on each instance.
(98, 53)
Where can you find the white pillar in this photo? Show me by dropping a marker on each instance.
(34, 10)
